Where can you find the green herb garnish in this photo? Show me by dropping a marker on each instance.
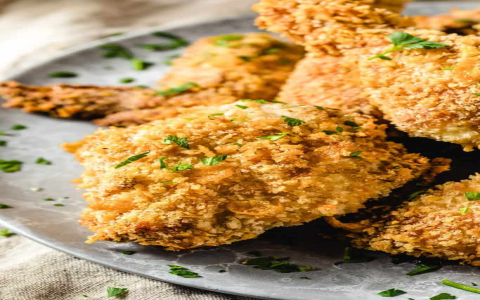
(261, 101)
(281, 265)
(58, 204)
(48, 199)
(212, 161)
(476, 94)
(175, 42)
(292, 121)
(3, 143)
(4, 133)
(465, 210)
(421, 269)
(181, 167)
(183, 272)
(274, 137)
(182, 142)
(4, 206)
(391, 293)
(246, 58)
(460, 286)
(339, 129)
(43, 161)
(6, 232)
(356, 154)
(443, 296)
(242, 106)
(19, 127)
(161, 160)
(62, 74)
(132, 159)
(405, 41)
(140, 65)
(128, 252)
(224, 40)
(178, 89)
(127, 80)
(222, 271)
(472, 196)
(447, 69)
(214, 115)
(112, 50)
(116, 291)
(10, 166)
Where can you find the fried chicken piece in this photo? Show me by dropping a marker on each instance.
(213, 71)
(462, 22)
(262, 170)
(415, 88)
(440, 223)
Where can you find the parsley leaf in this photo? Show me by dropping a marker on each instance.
(443, 296)
(242, 106)
(178, 89)
(464, 210)
(212, 161)
(62, 74)
(43, 161)
(175, 42)
(281, 265)
(3, 143)
(460, 286)
(162, 162)
(405, 41)
(140, 65)
(292, 121)
(391, 293)
(214, 115)
(224, 40)
(112, 50)
(128, 252)
(274, 137)
(472, 196)
(4, 206)
(127, 80)
(132, 159)
(10, 166)
(421, 269)
(356, 154)
(256, 101)
(48, 199)
(6, 232)
(476, 94)
(19, 127)
(351, 256)
(182, 142)
(183, 272)
(58, 204)
(181, 167)
(116, 291)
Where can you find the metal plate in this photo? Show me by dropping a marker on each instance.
(58, 227)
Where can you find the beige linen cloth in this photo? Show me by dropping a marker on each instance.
(32, 30)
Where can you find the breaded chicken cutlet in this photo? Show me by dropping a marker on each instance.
(427, 85)
(217, 175)
(442, 222)
(213, 71)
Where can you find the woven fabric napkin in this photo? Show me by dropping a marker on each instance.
(32, 30)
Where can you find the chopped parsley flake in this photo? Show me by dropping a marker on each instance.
(222, 271)
(405, 41)
(242, 106)
(179, 167)
(178, 89)
(476, 94)
(350, 255)
(4, 206)
(43, 161)
(460, 286)
(292, 106)
(142, 86)
(239, 119)
(212, 161)
(3, 133)
(112, 50)
(472, 196)
(175, 42)
(215, 115)
(224, 40)
(48, 199)
(3, 143)
(447, 69)
(292, 121)
(392, 293)
(474, 284)
(281, 265)
(132, 159)
(10, 166)
(356, 154)
(352, 124)
(183, 272)
(182, 142)
(128, 252)
(6, 232)
(19, 127)
(62, 74)
(127, 80)
(140, 65)
(274, 137)
(339, 129)
(329, 132)
(58, 204)
(443, 296)
(465, 210)
(116, 291)
(421, 269)
(162, 162)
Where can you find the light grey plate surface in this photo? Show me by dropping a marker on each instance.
(58, 227)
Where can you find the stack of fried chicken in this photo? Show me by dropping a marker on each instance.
(248, 133)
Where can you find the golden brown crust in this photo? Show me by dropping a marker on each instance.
(254, 66)
(261, 185)
(431, 225)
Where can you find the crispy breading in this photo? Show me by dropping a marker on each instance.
(314, 170)
(440, 223)
(463, 22)
(415, 90)
(222, 69)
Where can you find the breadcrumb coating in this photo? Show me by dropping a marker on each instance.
(441, 223)
(324, 164)
(219, 70)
